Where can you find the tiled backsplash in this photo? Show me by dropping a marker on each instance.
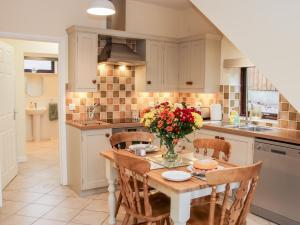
(288, 115)
(118, 99)
(230, 98)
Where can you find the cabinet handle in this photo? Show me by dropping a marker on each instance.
(222, 138)
(149, 82)
(189, 83)
(107, 135)
(217, 137)
(94, 81)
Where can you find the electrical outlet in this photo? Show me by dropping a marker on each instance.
(71, 106)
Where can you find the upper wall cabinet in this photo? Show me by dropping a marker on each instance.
(200, 64)
(161, 70)
(83, 49)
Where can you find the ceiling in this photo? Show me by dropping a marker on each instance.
(175, 4)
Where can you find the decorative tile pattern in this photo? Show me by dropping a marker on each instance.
(289, 117)
(230, 99)
(118, 99)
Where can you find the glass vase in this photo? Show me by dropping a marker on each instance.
(170, 155)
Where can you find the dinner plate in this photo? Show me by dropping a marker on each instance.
(147, 147)
(174, 175)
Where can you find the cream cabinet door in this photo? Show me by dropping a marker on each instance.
(154, 63)
(184, 65)
(93, 165)
(197, 64)
(170, 66)
(86, 62)
(241, 147)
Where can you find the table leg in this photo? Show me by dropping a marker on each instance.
(180, 208)
(111, 177)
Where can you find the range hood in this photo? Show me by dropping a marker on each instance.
(116, 51)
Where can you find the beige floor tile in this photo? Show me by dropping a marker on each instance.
(62, 214)
(98, 205)
(10, 207)
(44, 187)
(21, 196)
(63, 191)
(48, 222)
(255, 220)
(18, 220)
(50, 200)
(34, 210)
(90, 217)
(75, 203)
(3, 217)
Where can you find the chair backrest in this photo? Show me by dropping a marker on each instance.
(129, 168)
(125, 139)
(217, 145)
(247, 178)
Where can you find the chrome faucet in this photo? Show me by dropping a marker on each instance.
(90, 111)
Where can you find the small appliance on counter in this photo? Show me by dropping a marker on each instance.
(216, 112)
(205, 113)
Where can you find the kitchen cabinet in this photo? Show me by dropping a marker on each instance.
(82, 62)
(200, 64)
(161, 70)
(86, 169)
(242, 148)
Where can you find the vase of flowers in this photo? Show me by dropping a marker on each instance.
(171, 123)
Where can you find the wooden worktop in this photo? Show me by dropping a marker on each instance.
(102, 125)
(276, 134)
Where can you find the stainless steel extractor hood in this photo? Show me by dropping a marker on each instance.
(116, 51)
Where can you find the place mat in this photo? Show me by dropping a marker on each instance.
(155, 166)
(158, 159)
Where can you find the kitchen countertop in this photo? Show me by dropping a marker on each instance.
(276, 134)
(104, 124)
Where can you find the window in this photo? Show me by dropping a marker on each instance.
(39, 65)
(262, 96)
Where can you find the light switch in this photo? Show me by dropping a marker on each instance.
(72, 106)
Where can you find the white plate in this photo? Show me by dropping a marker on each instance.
(147, 147)
(174, 175)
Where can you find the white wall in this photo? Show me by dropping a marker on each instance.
(151, 19)
(161, 21)
(267, 33)
(193, 22)
(22, 47)
(229, 76)
(45, 17)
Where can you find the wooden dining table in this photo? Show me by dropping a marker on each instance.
(180, 193)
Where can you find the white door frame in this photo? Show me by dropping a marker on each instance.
(62, 71)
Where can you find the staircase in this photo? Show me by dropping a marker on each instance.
(267, 32)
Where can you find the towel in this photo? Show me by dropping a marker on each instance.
(53, 111)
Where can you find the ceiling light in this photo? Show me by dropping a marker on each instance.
(101, 8)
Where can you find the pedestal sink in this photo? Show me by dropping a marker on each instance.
(36, 121)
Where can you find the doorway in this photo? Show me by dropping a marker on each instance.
(41, 159)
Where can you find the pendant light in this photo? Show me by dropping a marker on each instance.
(101, 8)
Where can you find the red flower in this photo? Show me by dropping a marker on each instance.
(169, 129)
(160, 124)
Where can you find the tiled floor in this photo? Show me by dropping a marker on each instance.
(35, 196)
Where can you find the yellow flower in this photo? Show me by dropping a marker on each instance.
(198, 119)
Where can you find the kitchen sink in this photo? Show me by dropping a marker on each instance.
(93, 122)
(250, 128)
(255, 128)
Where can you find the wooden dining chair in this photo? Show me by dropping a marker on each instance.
(123, 140)
(150, 208)
(226, 213)
(219, 146)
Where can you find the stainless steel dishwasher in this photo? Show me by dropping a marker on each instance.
(277, 197)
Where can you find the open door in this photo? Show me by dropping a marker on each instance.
(8, 155)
